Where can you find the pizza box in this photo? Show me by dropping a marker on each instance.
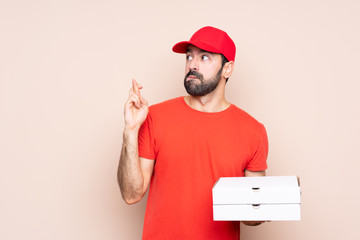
(270, 198)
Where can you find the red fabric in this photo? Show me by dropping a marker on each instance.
(193, 150)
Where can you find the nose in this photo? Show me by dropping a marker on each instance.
(194, 65)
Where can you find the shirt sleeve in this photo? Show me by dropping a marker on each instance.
(146, 140)
(258, 161)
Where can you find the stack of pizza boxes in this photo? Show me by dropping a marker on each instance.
(273, 198)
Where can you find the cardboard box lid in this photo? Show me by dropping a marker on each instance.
(257, 190)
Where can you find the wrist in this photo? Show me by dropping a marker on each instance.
(131, 131)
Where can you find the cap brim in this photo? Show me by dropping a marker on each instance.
(182, 47)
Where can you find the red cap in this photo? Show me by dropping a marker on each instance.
(209, 39)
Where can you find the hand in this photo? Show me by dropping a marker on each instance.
(136, 108)
(252, 223)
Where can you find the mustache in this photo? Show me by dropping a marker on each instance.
(194, 73)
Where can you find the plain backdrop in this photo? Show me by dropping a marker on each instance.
(65, 70)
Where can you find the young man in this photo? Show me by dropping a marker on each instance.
(181, 147)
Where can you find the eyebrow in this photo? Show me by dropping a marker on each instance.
(201, 51)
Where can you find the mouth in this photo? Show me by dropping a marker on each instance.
(191, 77)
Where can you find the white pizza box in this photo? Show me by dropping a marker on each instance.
(271, 198)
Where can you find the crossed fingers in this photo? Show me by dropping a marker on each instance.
(134, 94)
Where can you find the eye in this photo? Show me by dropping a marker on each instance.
(188, 57)
(205, 57)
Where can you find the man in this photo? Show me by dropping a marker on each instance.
(181, 147)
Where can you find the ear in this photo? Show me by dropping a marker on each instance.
(228, 69)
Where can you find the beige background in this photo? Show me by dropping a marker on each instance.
(65, 72)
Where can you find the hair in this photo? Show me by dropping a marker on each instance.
(223, 61)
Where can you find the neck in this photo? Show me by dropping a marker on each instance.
(212, 102)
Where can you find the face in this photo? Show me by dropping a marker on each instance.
(204, 70)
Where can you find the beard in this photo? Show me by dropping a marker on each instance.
(204, 87)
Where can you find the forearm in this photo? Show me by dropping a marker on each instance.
(130, 177)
